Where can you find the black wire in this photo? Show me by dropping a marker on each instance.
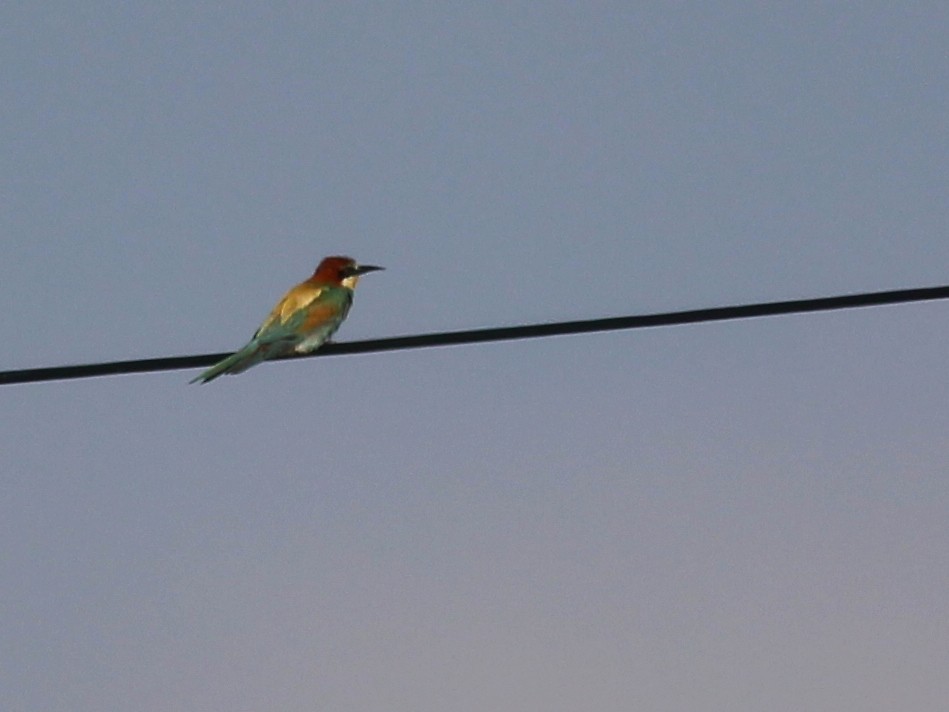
(528, 331)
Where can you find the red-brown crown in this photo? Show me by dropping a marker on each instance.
(337, 268)
(333, 269)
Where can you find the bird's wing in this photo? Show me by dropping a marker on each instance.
(319, 314)
(322, 318)
(284, 320)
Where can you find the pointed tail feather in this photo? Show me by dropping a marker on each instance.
(250, 355)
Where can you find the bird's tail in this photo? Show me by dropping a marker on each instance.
(238, 362)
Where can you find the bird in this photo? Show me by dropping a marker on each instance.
(302, 321)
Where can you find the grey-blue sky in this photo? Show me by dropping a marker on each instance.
(715, 517)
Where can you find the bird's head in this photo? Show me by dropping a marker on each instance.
(342, 270)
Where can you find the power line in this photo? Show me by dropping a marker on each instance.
(506, 333)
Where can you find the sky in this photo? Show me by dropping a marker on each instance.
(734, 516)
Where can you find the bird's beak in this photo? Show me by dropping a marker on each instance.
(362, 269)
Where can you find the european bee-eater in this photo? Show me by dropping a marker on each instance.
(303, 320)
